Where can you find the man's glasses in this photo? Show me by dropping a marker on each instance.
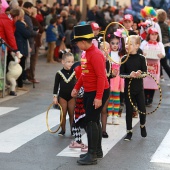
(112, 43)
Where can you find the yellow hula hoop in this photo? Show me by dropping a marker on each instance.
(61, 118)
(104, 40)
(160, 93)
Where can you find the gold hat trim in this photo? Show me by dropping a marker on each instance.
(85, 36)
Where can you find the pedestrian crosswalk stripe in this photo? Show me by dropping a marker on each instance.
(22, 133)
(162, 154)
(115, 132)
(4, 110)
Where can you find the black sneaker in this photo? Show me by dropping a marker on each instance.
(149, 103)
(61, 133)
(143, 131)
(105, 135)
(12, 93)
(128, 136)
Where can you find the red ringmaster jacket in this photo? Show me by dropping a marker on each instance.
(93, 77)
(7, 29)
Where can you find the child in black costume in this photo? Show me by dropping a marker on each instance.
(64, 83)
(132, 68)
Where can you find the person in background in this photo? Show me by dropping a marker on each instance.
(28, 7)
(14, 71)
(22, 34)
(7, 28)
(14, 4)
(96, 31)
(41, 12)
(51, 38)
(68, 36)
(78, 13)
(33, 60)
(162, 16)
(51, 15)
(71, 19)
(61, 38)
(135, 27)
(153, 44)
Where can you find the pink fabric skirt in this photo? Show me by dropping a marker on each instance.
(153, 68)
(117, 84)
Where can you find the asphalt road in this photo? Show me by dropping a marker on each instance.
(39, 148)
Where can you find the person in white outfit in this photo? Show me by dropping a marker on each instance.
(14, 71)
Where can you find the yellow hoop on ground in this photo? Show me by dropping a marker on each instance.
(160, 92)
(61, 118)
(104, 40)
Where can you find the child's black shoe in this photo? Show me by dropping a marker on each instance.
(61, 133)
(105, 135)
(149, 103)
(128, 136)
(143, 131)
(12, 93)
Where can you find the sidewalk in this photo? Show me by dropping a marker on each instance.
(41, 65)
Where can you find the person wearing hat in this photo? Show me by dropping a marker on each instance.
(96, 31)
(96, 91)
(127, 23)
(148, 13)
(153, 50)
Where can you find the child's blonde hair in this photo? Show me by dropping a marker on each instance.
(65, 55)
(135, 38)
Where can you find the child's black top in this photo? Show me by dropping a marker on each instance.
(135, 62)
(66, 80)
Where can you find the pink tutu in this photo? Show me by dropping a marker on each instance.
(154, 69)
(117, 83)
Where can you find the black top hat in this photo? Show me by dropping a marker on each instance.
(82, 32)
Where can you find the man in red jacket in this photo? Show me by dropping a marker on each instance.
(96, 88)
(7, 27)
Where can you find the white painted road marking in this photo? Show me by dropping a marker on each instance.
(162, 154)
(20, 134)
(115, 132)
(4, 110)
